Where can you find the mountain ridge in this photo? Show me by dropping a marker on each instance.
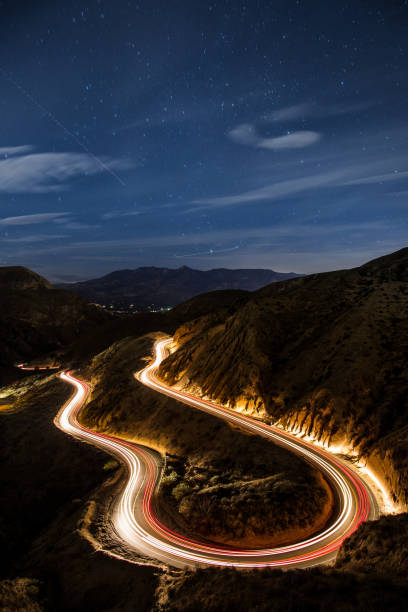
(37, 318)
(324, 355)
(164, 287)
(20, 278)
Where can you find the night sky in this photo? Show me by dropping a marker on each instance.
(207, 134)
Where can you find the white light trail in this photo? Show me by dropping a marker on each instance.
(138, 527)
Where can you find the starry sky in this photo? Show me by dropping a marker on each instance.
(268, 134)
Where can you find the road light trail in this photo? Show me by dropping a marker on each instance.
(134, 519)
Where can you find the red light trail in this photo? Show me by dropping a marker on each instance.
(138, 527)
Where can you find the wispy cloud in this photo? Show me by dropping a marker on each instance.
(399, 194)
(47, 172)
(221, 239)
(34, 238)
(308, 110)
(278, 190)
(379, 178)
(246, 134)
(342, 171)
(295, 140)
(78, 225)
(112, 214)
(33, 219)
(302, 247)
(9, 151)
(290, 113)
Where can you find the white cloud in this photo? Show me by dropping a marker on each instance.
(9, 151)
(246, 134)
(277, 190)
(34, 238)
(346, 173)
(227, 238)
(295, 140)
(70, 224)
(48, 172)
(77, 225)
(32, 219)
(318, 247)
(399, 194)
(305, 109)
(290, 112)
(378, 178)
(112, 214)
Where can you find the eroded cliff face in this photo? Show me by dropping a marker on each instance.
(325, 356)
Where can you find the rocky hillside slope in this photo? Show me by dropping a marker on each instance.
(162, 287)
(324, 354)
(370, 574)
(36, 318)
(219, 482)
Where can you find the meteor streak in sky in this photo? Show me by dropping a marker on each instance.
(209, 252)
(57, 122)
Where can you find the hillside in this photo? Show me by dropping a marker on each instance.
(163, 287)
(47, 558)
(370, 574)
(36, 318)
(94, 340)
(48, 481)
(219, 482)
(324, 354)
(18, 278)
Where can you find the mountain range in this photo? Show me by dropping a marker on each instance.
(151, 287)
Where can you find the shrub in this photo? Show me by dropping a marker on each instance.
(181, 490)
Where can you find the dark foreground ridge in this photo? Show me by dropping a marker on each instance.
(36, 318)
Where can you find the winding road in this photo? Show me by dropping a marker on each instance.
(134, 520)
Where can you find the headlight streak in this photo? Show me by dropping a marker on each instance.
(133, 516)
(22, 366)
